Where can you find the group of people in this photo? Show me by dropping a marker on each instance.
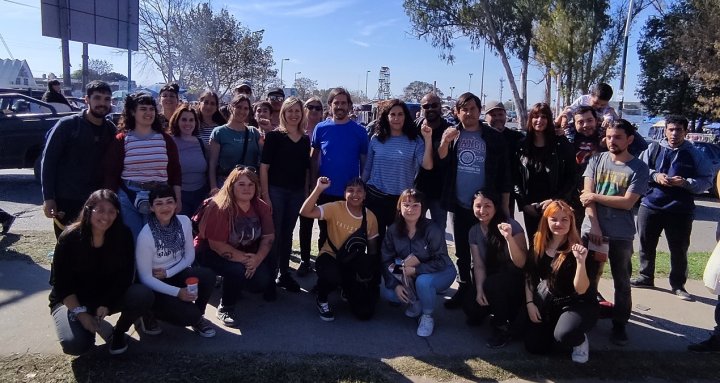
(125, 196)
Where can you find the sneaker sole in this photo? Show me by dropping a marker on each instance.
(145, 331)
(327, 319)
(118, 352)
(205, 334)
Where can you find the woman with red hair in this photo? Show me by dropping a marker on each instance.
(561, 300)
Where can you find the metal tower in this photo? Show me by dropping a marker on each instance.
(383, 92)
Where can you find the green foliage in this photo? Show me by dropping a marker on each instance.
(417, 89)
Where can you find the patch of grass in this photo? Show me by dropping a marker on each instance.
(32, 246)
(696, 264)
(277, 367)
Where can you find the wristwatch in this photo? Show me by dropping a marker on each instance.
(76, 311)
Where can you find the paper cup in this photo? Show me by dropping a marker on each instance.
(192, 285)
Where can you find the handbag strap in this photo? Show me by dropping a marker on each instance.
(359, 232)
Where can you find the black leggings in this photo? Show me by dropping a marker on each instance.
(359, 280)
(565, 326)
(504, 291)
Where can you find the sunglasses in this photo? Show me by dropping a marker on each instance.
(276, 98)
(434, 105)
(243, 167)
(316, 108)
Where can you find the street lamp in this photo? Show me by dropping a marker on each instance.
(296, 73)
(470, 82)
(366, 82)
(282, 84)
(452, 88)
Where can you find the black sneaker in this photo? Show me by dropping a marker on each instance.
(682, 294)
(712, 344)
(325, 311)
(304, 269)
(149, 325)
(7, 223)
(287, 282)
(499, 338)
(118, 343)
(457, 300)
(618, 336)
(642, 282)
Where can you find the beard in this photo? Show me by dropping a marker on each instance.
(100, 111)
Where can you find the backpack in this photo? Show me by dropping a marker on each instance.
(198, 216)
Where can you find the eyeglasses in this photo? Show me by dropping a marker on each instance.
(276, 98)
(316, 108)
(410, 205)
(243, 167)
(434, 105)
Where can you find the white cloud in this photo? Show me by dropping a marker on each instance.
(368, 29)
(359, 43)
(296, 8)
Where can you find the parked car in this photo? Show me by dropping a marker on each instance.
(712, 153)
(24, 123)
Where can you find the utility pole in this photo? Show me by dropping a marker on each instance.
(470, 82)
(452, 88)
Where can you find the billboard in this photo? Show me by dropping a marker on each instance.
(111, 23)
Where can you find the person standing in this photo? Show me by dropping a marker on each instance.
(192, 154)
(339, 147)
(209, 115)
(283, 178)
(54, 95)
(678, 171)
(169, 101)
(275, 97)
(614, 181)
(430, 181)
(476, 157)
(496, 117)
(71, 161)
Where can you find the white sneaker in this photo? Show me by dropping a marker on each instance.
(581, 353)
(426, 326)
(413, 310)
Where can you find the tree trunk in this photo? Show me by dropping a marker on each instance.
(548, 84)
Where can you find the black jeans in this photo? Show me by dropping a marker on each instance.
(562, 325)
(463, 220)
(306, 226)
(384, 206)
(359, 279)
(233, 273)
(677, 227)
(180, 313)
(505, 291)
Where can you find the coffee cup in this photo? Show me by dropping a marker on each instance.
(192, 285)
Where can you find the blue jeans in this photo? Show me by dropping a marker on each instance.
(286, 206)
(426, 287)
(619, 256)
(130, 215)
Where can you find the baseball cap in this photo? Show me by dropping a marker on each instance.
(493, 104)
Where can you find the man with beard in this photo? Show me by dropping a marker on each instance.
(430, 181)
(339, 147)
(496, 117)
(71, 162)
(614, 181)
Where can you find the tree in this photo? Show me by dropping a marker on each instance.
(664, 86)
(161, 36)
(99, 70)
(505, 26)
(305, 87)
(415, 91)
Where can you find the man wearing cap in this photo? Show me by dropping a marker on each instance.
(245, 89)
(276, 97)
(430, 182)
(496, 117)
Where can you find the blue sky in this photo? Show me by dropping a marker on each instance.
(331, 41)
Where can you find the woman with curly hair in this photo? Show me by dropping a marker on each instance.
(141, 157)
(394, 157)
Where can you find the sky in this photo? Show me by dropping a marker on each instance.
(334, 42)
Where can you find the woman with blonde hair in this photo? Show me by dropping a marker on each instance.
(560, 297)
(283, 176)
(235, 238)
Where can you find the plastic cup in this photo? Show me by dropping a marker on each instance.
(192, 285)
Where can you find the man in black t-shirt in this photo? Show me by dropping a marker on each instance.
(496, 117)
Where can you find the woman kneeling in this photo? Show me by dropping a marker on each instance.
(91, 277)
(236, 235)
(415, 261)
(561, 301)
(164, 255)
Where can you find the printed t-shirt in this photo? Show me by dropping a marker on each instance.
(243, 231)
(341, 224)
(471, 153)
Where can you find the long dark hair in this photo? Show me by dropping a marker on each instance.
(539, 109)
(217, 117)
(382, 129)
(127, 120)
(82, 223)
(408, 195)
(495, 241)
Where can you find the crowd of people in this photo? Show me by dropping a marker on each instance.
(121, 201)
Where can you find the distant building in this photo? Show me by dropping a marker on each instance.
(17, 74)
